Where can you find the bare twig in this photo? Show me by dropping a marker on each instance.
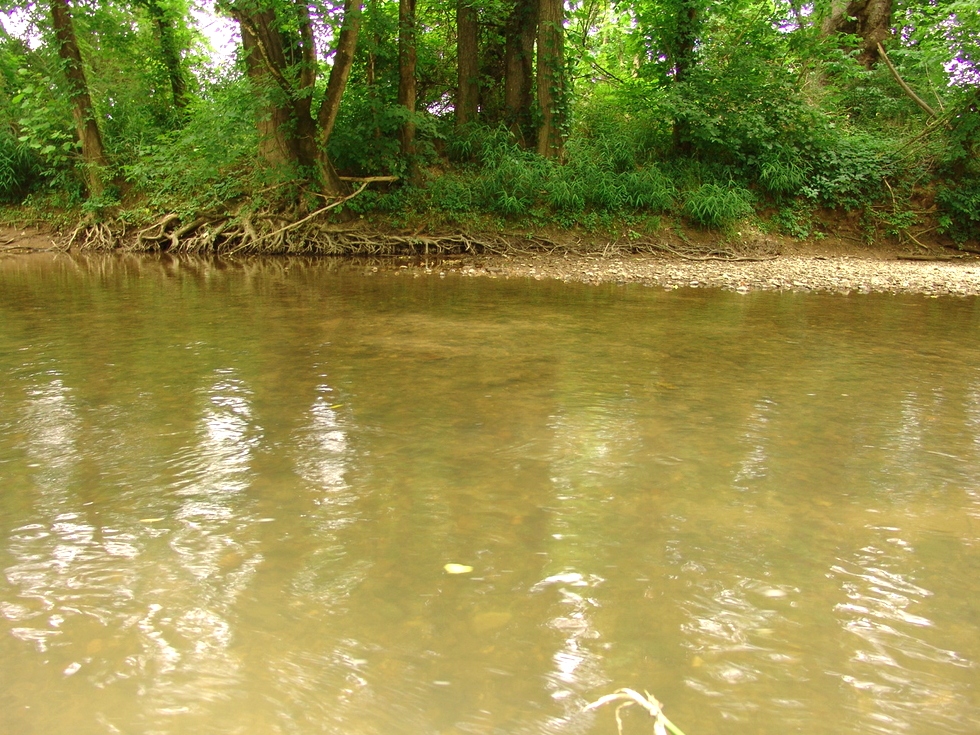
(629, 697)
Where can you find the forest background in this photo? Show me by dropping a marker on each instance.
(120, 124)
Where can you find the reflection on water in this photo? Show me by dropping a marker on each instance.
(228, 495)
(896, 673)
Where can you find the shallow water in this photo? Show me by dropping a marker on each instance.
(228, 493)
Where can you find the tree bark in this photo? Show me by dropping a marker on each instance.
(551, 78)
(343, 60)
(520, 33)
(93, 153)
(467, 63)
(870, 20)
(264, 57)
(406, 72)
(282, 67)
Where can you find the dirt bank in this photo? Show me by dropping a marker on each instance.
(839, 266)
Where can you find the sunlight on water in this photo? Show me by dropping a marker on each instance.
(288, 497)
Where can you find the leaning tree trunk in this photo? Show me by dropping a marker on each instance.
(870, 20)
(520, 33)
(406, 72)
(343, 60)
(93, 154)
(551, 77)
(281, 61)
(467, 63)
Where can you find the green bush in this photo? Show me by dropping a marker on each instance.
(716, 206)
(960, 209)
(849, 169)
(204, 163)
(20, 169)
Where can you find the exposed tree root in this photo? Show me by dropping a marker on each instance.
(272, 232)
(277, 231)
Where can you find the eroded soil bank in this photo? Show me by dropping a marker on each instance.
(836, 265)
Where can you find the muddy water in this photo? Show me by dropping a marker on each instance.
(228, 495)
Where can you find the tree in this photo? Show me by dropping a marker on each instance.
(86, 125)
(165, 18)
(407, 56)
(869, 20)
(551, 78)
(467, 63)
(520, 33)
(278, 42)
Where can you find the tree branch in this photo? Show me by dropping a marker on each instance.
(905, 87)
(274, 70)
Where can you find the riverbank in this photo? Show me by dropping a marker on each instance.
(832, 265)
(844, 273)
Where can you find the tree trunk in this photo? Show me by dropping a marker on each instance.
(688, 22)
(406, 72)
(93, 154)
(169, 52)
(467, 63)
(262, 45)
(281, 62)
(520, 33)
(551, 77)
(685, 42)
(870, 20)
(343, 60)
(492, 74)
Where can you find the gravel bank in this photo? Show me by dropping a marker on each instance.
(836, 273)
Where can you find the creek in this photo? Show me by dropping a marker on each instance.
(229, 493)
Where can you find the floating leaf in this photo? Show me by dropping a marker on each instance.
(458, 568)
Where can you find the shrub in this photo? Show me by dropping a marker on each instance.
(20, 169)
(960, 207)
(716, 206)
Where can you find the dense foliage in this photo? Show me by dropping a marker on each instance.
(619, 113)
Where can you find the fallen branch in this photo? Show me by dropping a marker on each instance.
(905, 87)
(629, 697)
(321, 210)
(725, 258)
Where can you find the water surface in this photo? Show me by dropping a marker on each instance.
(228, 493)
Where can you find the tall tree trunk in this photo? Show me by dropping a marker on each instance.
(492, 74)
(551, 77)
(406, 72)
(685, 42)
(281, 61)
(343, 60)
(467, 63)
(683, 45)
(262, 45)
(870, 20)
(169, 52)
(93, 154)
(520, 32)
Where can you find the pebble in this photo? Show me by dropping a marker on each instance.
(834, 274)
